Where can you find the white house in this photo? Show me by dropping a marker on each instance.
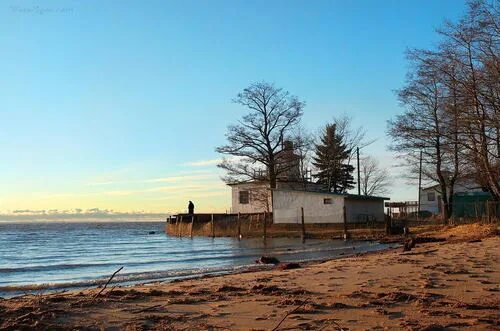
(293, 193)
(255, 196)
(286, 201)
(430, 197)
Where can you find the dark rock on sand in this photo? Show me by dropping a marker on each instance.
(267, 260)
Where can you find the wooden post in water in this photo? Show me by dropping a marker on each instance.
(179, 227)
(212, 225)
(191, 227)
(239, 226)
(303, 225)
(345, 222)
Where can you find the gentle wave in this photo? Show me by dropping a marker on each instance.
(129, 278)
(181, 260)
(57, 256)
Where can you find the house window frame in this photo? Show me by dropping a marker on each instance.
(327, 201)
(244, 197)
(431, 196)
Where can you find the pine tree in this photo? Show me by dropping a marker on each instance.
(331, 154)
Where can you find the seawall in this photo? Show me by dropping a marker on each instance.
(251, 226)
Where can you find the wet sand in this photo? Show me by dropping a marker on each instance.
(451, 285)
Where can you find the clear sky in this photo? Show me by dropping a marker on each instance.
(120, 104)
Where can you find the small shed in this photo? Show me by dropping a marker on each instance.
(325, 207)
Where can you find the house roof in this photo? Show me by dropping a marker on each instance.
(267, 182)
(437, 187)
(365, 197)
(347, 196)
(430, 187)
(247, 182)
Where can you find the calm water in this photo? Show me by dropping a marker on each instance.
(40, 256)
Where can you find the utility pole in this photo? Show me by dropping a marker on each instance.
(419, 185)
(359, 182)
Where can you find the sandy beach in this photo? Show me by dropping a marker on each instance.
(441, 285)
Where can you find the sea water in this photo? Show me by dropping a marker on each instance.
(38, 257)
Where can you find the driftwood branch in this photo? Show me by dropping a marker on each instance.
(418, 253)
(289, 313)
(107, 283)
(146, 309)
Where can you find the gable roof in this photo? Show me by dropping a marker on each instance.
(346, 196)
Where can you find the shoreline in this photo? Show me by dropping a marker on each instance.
(451, 284)
(191, 274)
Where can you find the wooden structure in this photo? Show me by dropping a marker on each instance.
(401, 209)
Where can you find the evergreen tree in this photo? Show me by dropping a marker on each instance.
(330, 158)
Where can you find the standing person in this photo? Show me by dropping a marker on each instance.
(191, 207)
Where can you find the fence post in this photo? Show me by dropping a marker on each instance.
(487, 211)
(191, 228)
(388, 221)
(239, 226)
(212, 225)
(345, 222)
(475, 211)
(303, 225)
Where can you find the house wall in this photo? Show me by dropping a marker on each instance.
(258, 194)
(435, 206)
(287, 206)
(359, 211)
(428, 205)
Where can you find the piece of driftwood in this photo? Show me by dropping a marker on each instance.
(417, 253)
(107, 283)
(289, 313)
(146, 309)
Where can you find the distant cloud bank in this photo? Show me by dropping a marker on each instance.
(79, 214)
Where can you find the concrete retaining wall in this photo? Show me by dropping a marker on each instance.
(253, 226)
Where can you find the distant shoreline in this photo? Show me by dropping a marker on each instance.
(83, 220)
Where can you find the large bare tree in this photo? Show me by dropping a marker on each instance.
(425, 127)
(253, 143)
(452, 100)
(374, 179)
(473, 47)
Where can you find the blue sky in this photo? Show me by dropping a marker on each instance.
(120, 104)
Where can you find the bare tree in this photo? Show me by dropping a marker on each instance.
(255, 140)
(424, 126)
(473, 45)
(452, 100)
(374, 179)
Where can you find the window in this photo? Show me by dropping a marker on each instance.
(244, 197)
(431, 196)
(327, 201)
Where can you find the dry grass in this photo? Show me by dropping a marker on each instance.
(470, 231)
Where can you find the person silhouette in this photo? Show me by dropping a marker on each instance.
(191, 207)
